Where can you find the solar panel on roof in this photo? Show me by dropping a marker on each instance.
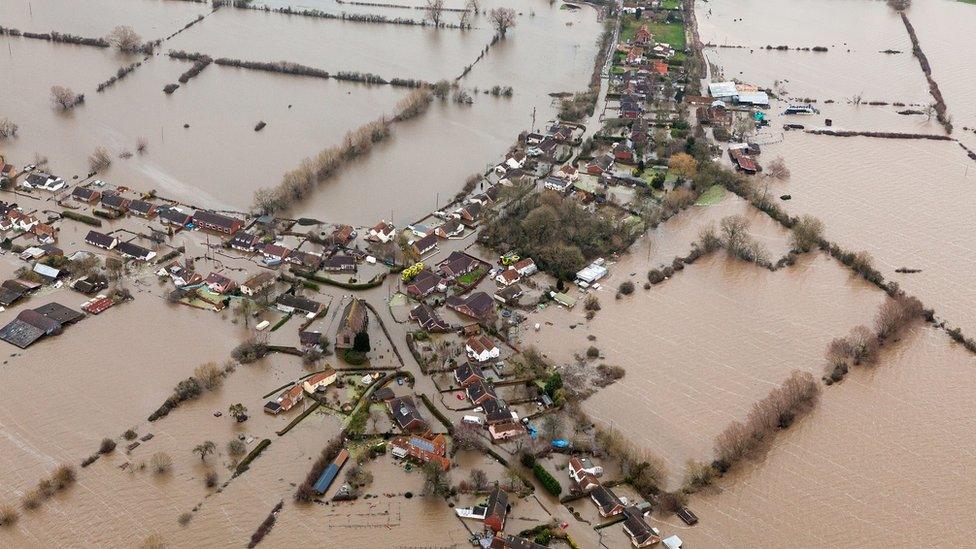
(424, 445)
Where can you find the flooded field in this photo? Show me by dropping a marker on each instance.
(700, 348)
(150, 18)
(880, 462)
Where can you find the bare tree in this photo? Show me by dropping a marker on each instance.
(99, 159)
(7, 128)
(899, 5)
(807, 233)
(63, 96)
(777, 169)
(142, 145)
(473, 6)
(502, 19)
(125, 38)
(435, 11)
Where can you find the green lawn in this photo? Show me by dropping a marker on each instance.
(671, 4)
(713, 195)
(669, 33)
(472, 277)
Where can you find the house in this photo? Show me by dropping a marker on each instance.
(424, 284)
(142, 208)
(592, 272)
(44, 232)
(457, 264)
(557, 184)
(606, 501)
(339, 263)
(497, 509)
(643, 36)
(244, 242)
(43, 181)
(567, 172)
(7, 172)
(59, 313)
(289, 303)
(275, 252)
(310, 339)
(505, 430)
(101, 240)
(134, 251)
(508, 277)
(449, 229)
(498, 413)
(217, 222)
(308, 260)
(468, 373)
(481, 349)
(22, 221)
(320, 380)
(480, 392)
(641, 534)
(406, 415)
(585, 477)
(383, 394)
(85, 195)
(600, 164)
(11, 292)
(509, 295)
(428, 319)
(219, 283)
(508, 541)
(477, 305)
(426, 448)
(254, 285)
(28, 327)
(660, 68)
(342, 234)
(174, 217)
(470, 212)
(526, 267)
(424, 245)
(419, 230)
(286, 400)
(90, 285)
(384, 231)
(743, 162)
(354, 321)
(112, 200)
(623, 151)
(48, 273)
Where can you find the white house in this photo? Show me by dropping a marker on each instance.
(321, 379)
(384, 231)
(508, 277)
(481, 349)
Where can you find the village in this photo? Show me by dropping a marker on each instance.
(410, 336)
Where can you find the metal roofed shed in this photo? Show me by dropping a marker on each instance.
(330, 473)
(756, 98)
(722, 89)
(591, 273)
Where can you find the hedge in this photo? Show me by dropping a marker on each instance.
(375, 282)
(86, 219)
(246, 462)
(548, 481)
(437, 413)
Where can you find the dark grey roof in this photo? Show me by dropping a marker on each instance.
(404, 411)
(101, 240)
(132, 250)
(300, 303)
(59, 313)
(605, 498)
(210, 218)
(20, 333)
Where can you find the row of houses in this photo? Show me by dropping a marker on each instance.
(114, 200)
(290, 397)
(585, 475)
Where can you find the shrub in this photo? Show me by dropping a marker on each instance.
(63, 477)
(697, 476)
(31, 499)
(236, 448)
(210, 478)
(807, 233)
(592, 303)
(8, 516)
(354, 357)
(626, 287)
(184, 518)
(107, 446)
(170, 88)
(249, 351)
(129, 434)
(160, 462)
(592, 352)
(655, 276)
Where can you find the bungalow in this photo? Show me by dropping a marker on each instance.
(606, 501)
(254, 285)
(101, 240)
(584, 480)
(22, 221)
(383, 394)
(384, 231)
(217, 222)
(289, 303)
(406, 415)
(320, 380)
(498, 413)
(143, 208)
(342, 234)
(309, 339)
(43, 181)
(45, 232)
(134, 251)
(286, 400)
(478, 305)
(623, 151)
(457, 264)
(481, 348)
(509, 295)
(426, 448)
(339, 263)
(508, 277)
(743, 162)
(508, 541)
(424, 245)
(174, 217)
(557, 184)
(497, 509)
(505, 430)
(468, 373)
(354, 321)
(244, 242)
(526, 267)
(567, 172)
(470, 212)
(85, 195)
(112, 200)
(308, 260)
(425, 284)
(480, 392)
(427, 318)
(90, 285)
(449, 229)
(600, 164)
(592, 272)
(641, 534)
(275, 252)
(219, 283)
(419, 230)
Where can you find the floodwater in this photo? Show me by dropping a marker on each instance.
(151, 19)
